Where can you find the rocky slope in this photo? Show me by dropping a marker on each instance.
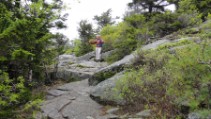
(75, 100)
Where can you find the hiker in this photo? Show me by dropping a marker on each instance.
(99, 43)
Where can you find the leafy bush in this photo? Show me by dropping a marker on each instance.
(189, 14)
(201, 6)
(111, 34)
(123, 41)
(188, 19)
(124, 47)
(143, 28)
(80, 48)
(204, 113)
(13, 93)
(179, 43)
(166, 81)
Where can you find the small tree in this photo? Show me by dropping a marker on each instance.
(86, 32)
(104, 19)
(148, 6)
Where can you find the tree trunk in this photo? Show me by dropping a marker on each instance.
(209, 95)
(47, 77)
(150, 9)
(30, 75)
(56, 65)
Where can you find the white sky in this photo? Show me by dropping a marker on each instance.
(86, 9)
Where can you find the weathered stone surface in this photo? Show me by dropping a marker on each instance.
(135, 118)
(91, 55)
(75, 104)
(52, 108)
(144, 114)
(67, 57)
(104, 92)
(65, 60)
(89, 64)
(87, 56)
(125, 116)
(112, 110)
(113, 116)
(81, 108)
(193, 116)
(71, 74)
(105, 55)
(78, 70)
(89, 117)
(56, 93)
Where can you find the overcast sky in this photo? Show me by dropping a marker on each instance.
(86, 9)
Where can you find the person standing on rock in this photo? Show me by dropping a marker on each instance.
(99, 44)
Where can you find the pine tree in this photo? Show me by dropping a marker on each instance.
(104, 19)
(86, 32)
(148, 6)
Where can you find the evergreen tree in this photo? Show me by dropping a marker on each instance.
(26, 48)
(25, 38)
(203, 7)
(86, 32)
(148, 6)
(104, 19)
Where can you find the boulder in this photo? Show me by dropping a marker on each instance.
(87, 56)
(197, 115)
(104, 92)
(65, 60)
(52, 109)
(193, 116)
(105, 55)
(56, 93)
(112, 110)
(72, 75)
(144, 114)
(78, 71)
(74, 104)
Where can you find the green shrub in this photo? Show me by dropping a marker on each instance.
(179, 43)
(124, 44)
(204, 113)
(13, 93)
(124, 47)
(166, 81)
(111, 33)
(166, 23)
(188, 19)
(143, 28)
(81, 48)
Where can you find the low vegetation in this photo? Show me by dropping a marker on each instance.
(166, 82)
